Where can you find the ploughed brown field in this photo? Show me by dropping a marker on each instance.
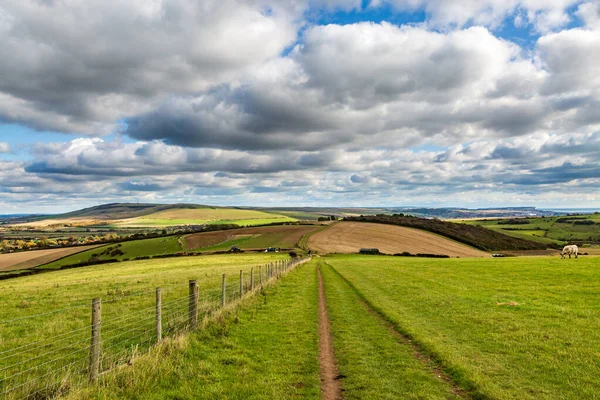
(350, 237)
(33, 258)
(284, 236)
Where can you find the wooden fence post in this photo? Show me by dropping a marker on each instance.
(241, 283)
(252, 279)
(260, 275)
(224, 293)
(158, 314)
(95, 344)
(193, 307)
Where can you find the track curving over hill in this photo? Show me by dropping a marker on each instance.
(350, 237)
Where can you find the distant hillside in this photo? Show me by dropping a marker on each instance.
(122, 210)
(475, 236)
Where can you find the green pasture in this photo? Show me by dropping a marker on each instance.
(253, 222)
(130, 249)
(201, 216)
(513, 328)
(547, 230)
(54, 309)
(414, 328)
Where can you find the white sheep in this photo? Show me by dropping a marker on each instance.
(571, 249)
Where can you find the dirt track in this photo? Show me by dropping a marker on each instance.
(33, 258)
(350, 237)
(330, 385)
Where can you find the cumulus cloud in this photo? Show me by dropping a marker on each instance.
(404, 84)
(75, 63)
(4, 148)
(232, 101)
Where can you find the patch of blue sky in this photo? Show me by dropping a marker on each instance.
(525, 35)
(20, 137)
(428, 148)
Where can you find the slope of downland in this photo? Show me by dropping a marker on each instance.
(552, 231)
(33, 258)
(122, 251)
(350, 237)
(475, 236)
(199, 216)
(513, 328)
(284, 236)
(265, 349)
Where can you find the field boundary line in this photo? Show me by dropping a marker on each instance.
(461, 386)
(331, 387)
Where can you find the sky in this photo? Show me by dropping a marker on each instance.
(470, 103)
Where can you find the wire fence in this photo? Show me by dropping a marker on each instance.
(50, 366)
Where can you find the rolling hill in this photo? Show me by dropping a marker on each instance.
(350, 237)
(476, 236)
(125, 215)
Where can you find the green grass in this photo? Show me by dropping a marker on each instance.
(374, 362)
(28, 307)
(265, 349)
(253, 222)
(206, 215)
(130, 249)
(547, 230)
(511, 328)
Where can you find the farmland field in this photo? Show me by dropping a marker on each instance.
(123, 250)
(29, 259)
(350, 237)
(520, 328)
(284, 236)
(514, 328)
(198, 216)
(547, 230)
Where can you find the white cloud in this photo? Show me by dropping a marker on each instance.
(81, 65)
(4, 148)
(590, 13)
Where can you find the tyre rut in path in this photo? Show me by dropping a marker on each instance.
(331, 387)
(426, 360)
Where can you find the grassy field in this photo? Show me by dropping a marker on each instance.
(547, 230)
(516, 328)
(121, 251)
(266, 349)
(54, 309)
(199, 216)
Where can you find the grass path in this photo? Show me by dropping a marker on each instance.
(265, 349)
(330, 379)
(375, 362)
